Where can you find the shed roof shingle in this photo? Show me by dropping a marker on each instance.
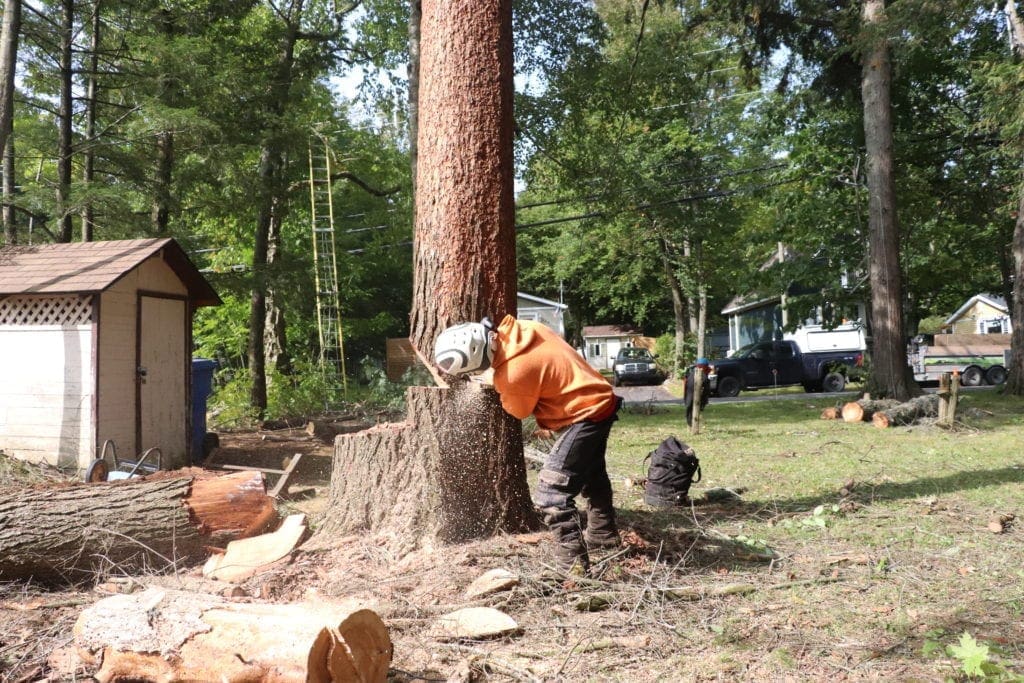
(90, 267)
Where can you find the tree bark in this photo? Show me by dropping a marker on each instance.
(91, 93)
(167, 635)
(890, 374)
(9, 34)
(926, 405)
(415, 14)
(464, 251)
(434, 478)
(269, 182)
(77, 531)
(698, 375)
(64, 122)
(464, 256)
(864, 409)
(1015, 376)
(678, 311)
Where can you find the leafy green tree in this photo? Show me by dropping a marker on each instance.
(646, 152)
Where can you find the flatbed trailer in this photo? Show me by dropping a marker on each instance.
(978, 358)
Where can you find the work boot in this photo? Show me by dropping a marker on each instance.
(571, 557)
(601, 531)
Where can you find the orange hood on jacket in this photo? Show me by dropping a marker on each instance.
(537, 373)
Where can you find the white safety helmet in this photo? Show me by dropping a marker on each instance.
(465, 348)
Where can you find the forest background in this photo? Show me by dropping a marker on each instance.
(664, 152)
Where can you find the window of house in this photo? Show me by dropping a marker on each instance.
(992, 326)
(595, 350)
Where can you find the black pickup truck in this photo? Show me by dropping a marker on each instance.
(781, 363)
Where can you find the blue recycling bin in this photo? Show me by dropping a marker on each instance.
(202, 387)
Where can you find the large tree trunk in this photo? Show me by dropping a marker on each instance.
(1015, 380)
(64, 123)
(73, 532)
(10, 189)
(925, 405)
(865, 408)
(9, 34)
(91, 93)
(435, 478)
(678, 309)
(454, 470)
(890, 374)
(415, 14)
(269, 180)
(166, 635)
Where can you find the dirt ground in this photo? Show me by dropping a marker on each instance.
(675, 603)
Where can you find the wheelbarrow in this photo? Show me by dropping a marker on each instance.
(100, 469)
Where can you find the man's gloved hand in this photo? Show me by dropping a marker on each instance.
(543, 434)
(485, 378)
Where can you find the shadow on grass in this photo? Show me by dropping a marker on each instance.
(867, 494)
(677, 537)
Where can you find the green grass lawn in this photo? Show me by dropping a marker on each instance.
(884, 575)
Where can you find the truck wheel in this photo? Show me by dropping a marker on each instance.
(995, 374)
(615, 381)
(971, 376)
(728, 387)
(833, 382)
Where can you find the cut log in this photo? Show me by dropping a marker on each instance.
(153, 523)
(830, 413)
(164, 635)
(908, 412)
(413, 483)
(865, 408)
(324, 431)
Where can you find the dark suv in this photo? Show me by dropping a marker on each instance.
(635, 365)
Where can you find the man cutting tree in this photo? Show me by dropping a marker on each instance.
(535, 372)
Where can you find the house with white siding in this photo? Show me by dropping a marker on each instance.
(95, 345)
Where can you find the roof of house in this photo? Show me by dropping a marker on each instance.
(609, 331)
(542, 302)
(91, 267)
(993, 300)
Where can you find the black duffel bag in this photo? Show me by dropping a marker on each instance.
(674, 467)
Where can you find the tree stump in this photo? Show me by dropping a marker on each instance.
(73, 532)
(413, 482)
(907, 413)
(830, 413)
(164, 635)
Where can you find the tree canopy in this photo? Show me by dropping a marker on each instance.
(664, 152)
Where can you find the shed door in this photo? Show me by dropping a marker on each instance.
(161, 409)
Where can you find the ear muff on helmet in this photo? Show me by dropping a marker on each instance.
(464, 348)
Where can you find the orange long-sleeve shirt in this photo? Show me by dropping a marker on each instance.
(537, 373)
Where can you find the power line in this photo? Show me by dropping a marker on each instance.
(717, 194)
(598, 214)
(684, 181)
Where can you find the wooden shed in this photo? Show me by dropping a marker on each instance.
(95, 344)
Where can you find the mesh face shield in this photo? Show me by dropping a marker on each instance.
(463, 349)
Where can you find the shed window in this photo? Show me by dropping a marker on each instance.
(45, 310)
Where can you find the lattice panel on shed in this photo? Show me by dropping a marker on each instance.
(45, 310)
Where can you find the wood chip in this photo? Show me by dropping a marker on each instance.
(473, 623)
(246, 557)
(493, 581)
